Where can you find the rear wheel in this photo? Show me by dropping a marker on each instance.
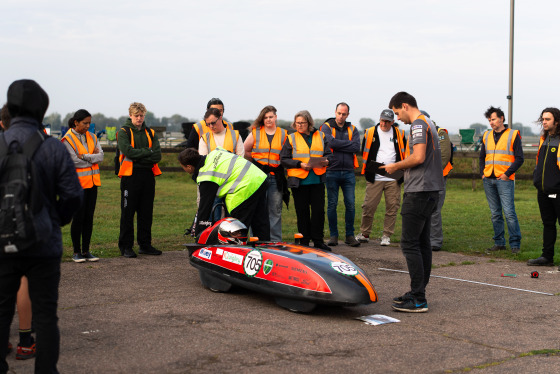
(296, 306)
(213, 283)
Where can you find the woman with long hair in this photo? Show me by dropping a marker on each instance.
(86, 152)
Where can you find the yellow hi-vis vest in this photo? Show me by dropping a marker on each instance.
(267, 153)
(368, 136)
(302, 152)
(126, 163)
(202, 128)
(230, 141)
(238, 178)
(350, 133)
(88, 176)
(499, 157)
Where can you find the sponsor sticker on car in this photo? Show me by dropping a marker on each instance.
(205, 253)
(268, 265)
(234, 258)
(344, 268)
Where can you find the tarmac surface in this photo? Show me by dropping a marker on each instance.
(152, 315)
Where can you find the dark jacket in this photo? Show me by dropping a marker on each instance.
(546, 176)
(142, 156)
(289, 163)
(61, 187)
(343, 149)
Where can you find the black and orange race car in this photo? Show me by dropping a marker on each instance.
(298, 277)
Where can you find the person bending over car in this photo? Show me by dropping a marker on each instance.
(226, 175)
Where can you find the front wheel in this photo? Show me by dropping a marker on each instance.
(213, 283)
(296, 306)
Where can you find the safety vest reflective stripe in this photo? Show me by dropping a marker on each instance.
(369, 141)
(302, 152)
(88, 176)
(126, 163)
(236, 177)
(500, 156)
(230, 141)
(267, 153)
(350, 133)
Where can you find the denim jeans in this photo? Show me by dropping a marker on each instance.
(274, 201)
(417, 209)
(44, 278)
(500, 195)
(346, 180)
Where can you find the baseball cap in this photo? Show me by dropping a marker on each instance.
(387, 115)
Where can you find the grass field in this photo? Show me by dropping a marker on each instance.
(466, 216)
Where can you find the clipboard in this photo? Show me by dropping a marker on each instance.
(317, 162)
(374, 168)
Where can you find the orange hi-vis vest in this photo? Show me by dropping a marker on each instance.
(350, 132)
(499, 157)
(230, 141)
(447, 167)
(202, 128)
(126, 163)
(302, 152)
(369, 141)
(267, 153)
(88, 176)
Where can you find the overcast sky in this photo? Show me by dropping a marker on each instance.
(174, 56)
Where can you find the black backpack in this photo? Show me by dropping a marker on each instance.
(21, 199)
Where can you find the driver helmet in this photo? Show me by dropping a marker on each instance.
(232, 231)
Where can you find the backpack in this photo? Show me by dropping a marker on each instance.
(21, 198)
(118, 151)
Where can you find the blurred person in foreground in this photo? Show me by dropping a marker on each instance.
(62, 193)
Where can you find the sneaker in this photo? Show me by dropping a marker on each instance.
(541, 261)
(25, 353)
(77, 257)
(129, 253)
(322, 246)
(496, 248)
(362, 238)
(149, 251)
(515, 250)
(333, 241)
(385, 240)
(403, 298)
(411, 306)
(89, 257)
(351, 241)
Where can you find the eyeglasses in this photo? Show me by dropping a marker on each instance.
(212, 123)
(301, 123)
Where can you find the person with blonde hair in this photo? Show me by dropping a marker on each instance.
(306, 177)
(140, 153)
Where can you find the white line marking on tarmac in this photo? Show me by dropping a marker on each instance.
(469, 281)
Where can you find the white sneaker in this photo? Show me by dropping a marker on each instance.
(362, 239)
(385, 240)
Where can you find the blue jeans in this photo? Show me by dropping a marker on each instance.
(500, 195)
(346, 180)
(274, 201)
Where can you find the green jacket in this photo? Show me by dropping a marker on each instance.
(142, 156)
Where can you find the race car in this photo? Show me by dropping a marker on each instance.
(297, 276)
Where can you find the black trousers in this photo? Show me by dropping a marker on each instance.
(309, 202)
(416, 212)
(44, 277)
(550, 214)
(82, 222)
(253, 212)
(137, 197)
